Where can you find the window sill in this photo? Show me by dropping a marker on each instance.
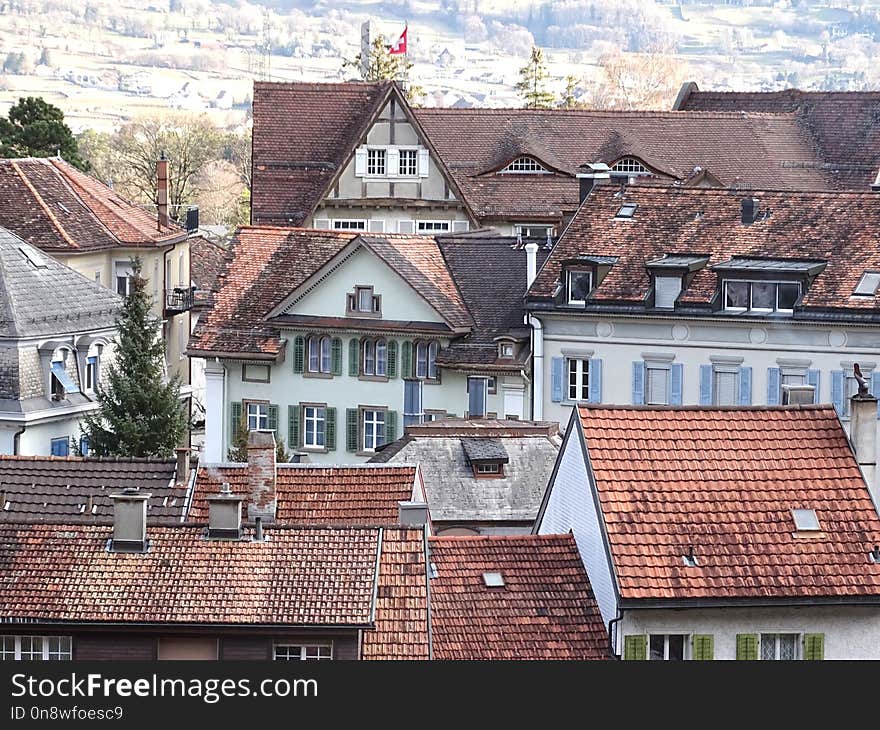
(374, 378)
(364, 315)
(365, 453)
(320, 376)
(314, 449)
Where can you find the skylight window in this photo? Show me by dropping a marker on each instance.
(33, 257)
(524, 164)
(493, 580)
(805, 520)
(867, 286)
(627, 210)
(64, 207)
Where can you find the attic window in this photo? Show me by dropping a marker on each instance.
(32, 256)
(867, 286)
(627, 210)
(505, 350)
(493, 580)
(580, 283)
(64, 207)
(524, 164)
(631, 166)
(805, 520)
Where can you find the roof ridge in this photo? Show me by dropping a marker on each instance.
(529, 537)
(667, 408)
(673, 113)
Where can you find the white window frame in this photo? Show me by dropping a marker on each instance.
(686, 644)
(318, 416)
(375, 421)
(662, 366)
(751, 283)
(568, 290)
(377, 157)
(92, 372)
(349, 224)
(798, 641)
(524, 165)
(493, 469)
(581, 384)
(524, 229)
(792, 372)
(307, 651)
(260, 415)
(850, 388)
(720, 369)
(410, 171)
(433, 226)
(631, 166)
(322, 356)
(63, 653)
(124, 265)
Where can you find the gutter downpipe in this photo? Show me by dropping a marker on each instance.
(612, 627)
(537, 368)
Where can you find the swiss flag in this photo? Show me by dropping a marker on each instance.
(400, 46)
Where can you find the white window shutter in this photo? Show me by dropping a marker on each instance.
(322, 223)
(460, 226)
(360, 161)
(376, 225)
(424, 165)
(392, 162)
(406, 226)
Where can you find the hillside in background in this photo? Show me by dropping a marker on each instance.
(106, 61)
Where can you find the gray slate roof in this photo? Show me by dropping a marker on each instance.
(41, 296)
(455, 495)
(487, 449)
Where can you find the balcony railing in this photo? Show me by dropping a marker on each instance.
(178, 300)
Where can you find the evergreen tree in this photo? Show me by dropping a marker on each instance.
(35, 128)
(139, 410)
(382, 66)
(532, 86)
(569, 100)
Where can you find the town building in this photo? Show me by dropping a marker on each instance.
(84, 224)
(481, 477)
(361, 159)
(56, 339)
(724, 532)
(671, 296)
(336, 341)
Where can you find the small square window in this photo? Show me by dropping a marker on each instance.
(627, 210)
(375, 162)
(867, 286)
(805, 520)
(493, 580)
(408, 163)
(580, 283)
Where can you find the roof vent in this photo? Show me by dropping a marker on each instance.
(493, 580)
(805, 520)
(749, 211)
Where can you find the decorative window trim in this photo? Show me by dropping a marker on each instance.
(250, 379)
(362, 428)
(432, 349)
(352, 302)
(246, 404)
(320, 372)
(312, 448)
(524, 165)
(372, 344)
(631, 166)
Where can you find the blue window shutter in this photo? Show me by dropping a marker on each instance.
(675, 385)
(773, 386)
(875, 388)
(813, 379)
(705, 385)
(595, 380)
(837, 390)
(638, 383)
(558, 373)
(745, 386)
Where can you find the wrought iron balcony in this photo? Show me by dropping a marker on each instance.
(178, 300)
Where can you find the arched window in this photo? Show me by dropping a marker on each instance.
(426, 360)
(525, 164)
(630, 165)
(381, 358)
(320, 354)
(433, 349)
(325, 355)
(369, 354)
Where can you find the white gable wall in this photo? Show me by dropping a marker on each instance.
(571, 507)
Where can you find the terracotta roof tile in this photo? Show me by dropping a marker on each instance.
(545, 610)
(724, 481)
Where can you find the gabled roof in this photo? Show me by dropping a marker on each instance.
(57, 208)
(842, 125)
(723, 481)
(206, 263)
(75, 489)
(742, 150)
(310, 494)
(454, 494)
(265, 266)
(41, 296)
(837, 228)
(544, 610)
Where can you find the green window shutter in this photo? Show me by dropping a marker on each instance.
(814, 647)
(704, 647)
(354, 353)
(273, 417)
(405, 359)
(390, 426)
(635, 647)
(293, 427)
(747, 647)
(336, 356)
(299, 350)
(351, 429)
(330, 428)
(392, 358)
(235, 417)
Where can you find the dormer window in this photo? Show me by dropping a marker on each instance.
(666, 291)
(630, 166)
(506, 351)
(526, 165)
(486, 456)
(364, 302)
(579, 285)
(760, 296)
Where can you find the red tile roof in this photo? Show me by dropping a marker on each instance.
(724, 481)
(842, 125)
(266, 265)
(401, 630)
(54, 206)
(475, 143)
(318, 495)
(298, 577)
(303, 133)
(546, 609)
(206, 263)
(791, 225)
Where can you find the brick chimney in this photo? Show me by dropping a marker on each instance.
(162, 191)
(262, 474)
